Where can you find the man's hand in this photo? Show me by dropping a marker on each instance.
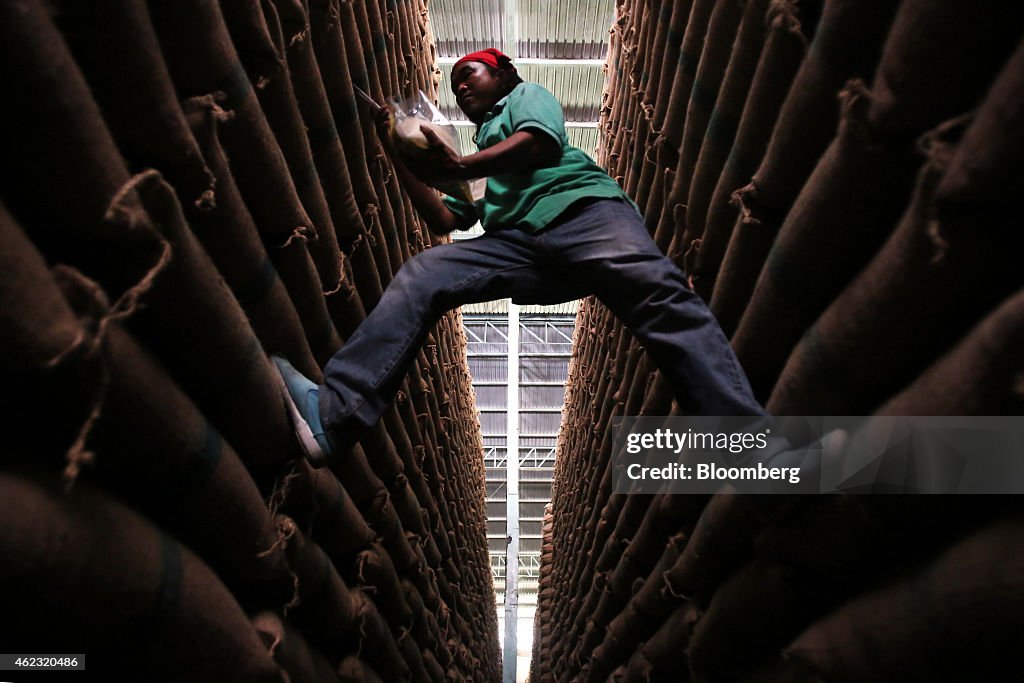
(382, 121)
(439, 163)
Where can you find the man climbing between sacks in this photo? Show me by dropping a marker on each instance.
(557, 228)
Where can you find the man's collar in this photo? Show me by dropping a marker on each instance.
(495, 110)
(498, 106)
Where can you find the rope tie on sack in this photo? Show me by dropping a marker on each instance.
(88, 344)
(371, 216)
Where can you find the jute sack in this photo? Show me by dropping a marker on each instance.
(986, 167)
(329, 47)
(144, 411)
(665, 651)
(846, 45)
(749, 243)
(295, 265)
(725, 117)
(118, 53)
(753, 614)
(374, 568)
(129, 400)
(230, 237)
(360, 61)
(290, 650)
(61, 167)
(939, 60)
(109, 234)
(723, 26)
(683, 72)
(935, 278)
(952, 618)
(784, 49)
(705, 561)
(256, 33)
(325, 608)
(120, 57)
(678, 20)
(112, 585)
(134, 407)
(639, 619)
(339, 527)
(413, 656)
(981, 375)
(355, 670)
(377, 643)
(850, 204)
(49, 356)
(434, 669)
(219, 361)
(325, 146)
(202, 60)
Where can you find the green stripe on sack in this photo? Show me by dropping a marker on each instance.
(306, 176)
(205, 458)
(259, 285)
(637, 163)
(703, 96)
(688, 63)
(235, 86)
(171, 572)
(721, 128)
(322, 136)
(347, 113)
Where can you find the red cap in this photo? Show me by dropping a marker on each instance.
(490, 56)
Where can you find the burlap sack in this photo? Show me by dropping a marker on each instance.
(202, 60)
(714, 60)
(114, 45)
(290, 650)
(725, 117)
(979, 376)
(936, 277)
(917, 627)
(118, 589)
(784, 49)
(257, 35)
(847, 208)
(325, 609)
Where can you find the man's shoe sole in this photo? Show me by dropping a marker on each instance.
(314, 453)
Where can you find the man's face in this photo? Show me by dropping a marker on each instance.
(476, 89)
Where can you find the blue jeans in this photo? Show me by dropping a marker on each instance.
(598, 246)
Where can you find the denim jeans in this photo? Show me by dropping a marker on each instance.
(597, 246)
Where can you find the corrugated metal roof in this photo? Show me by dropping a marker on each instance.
(569, 29)
(501, 307)
(462, 26)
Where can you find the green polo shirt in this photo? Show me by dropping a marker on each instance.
(530, 200)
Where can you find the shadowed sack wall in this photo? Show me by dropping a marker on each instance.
(838, 178)
(187, 187)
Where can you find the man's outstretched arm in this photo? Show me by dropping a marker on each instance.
(524, 150)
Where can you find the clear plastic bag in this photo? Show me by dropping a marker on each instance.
(410, 114)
